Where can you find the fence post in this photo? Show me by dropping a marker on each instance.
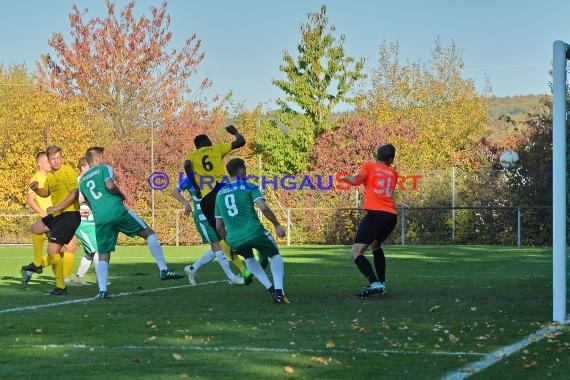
(177, 214)
(403, 228)
(356, 197)
(288, 226)
(519, 226)
(453, 204)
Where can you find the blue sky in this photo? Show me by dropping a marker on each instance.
(508, 41)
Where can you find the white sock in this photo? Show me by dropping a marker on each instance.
(205, 259)
(83, 266)
(102, 275)
(254, 267)
(156, 251)
(95, 260)
(277, 270)
(225, 264)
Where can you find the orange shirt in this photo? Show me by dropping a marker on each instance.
(379, 183)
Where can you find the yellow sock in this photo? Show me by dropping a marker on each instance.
(237, 261)
(57, 267)
(45, 261)
(38, 244)
(68, 258)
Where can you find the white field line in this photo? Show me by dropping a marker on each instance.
(81, 300)
(241, 348)
(498, 355)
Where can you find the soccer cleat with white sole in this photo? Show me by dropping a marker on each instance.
(79, 281)
(373, 288)
(236, 280)
(70, 282)
(191, 274)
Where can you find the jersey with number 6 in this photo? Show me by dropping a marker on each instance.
(208, 165)
(103, 203)
(234, 205)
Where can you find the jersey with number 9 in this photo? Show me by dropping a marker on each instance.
(234, 205)
(103, 203)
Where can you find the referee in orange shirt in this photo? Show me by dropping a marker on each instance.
(379, 181)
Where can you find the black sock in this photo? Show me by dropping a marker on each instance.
(366, 268)
(380, 264)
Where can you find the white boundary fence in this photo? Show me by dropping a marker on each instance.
(498, 225)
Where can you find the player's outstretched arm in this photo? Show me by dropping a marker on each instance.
(239, 141)
(180, 198)
(71, 197)
(266, 211)
(354, 180)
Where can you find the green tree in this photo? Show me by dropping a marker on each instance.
(321, 77)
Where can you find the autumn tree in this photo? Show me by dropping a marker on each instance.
(317, 80)
(122, 67)
(449, 114)
(30, 119)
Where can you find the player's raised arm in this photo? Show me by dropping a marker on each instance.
(239, 141)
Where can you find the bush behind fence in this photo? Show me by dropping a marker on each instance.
(525, 226)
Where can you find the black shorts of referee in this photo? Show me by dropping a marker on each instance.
(62, 226)
(375, 226)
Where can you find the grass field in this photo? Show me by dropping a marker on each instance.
(447, 308)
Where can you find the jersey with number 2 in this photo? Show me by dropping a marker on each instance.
(103, 203)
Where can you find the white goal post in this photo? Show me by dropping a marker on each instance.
(561, 54)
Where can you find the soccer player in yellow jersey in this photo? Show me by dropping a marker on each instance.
(63, 218)
(39, 205)
(205, 169)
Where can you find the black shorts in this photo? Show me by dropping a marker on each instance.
(62, 227)
(208, 205)
(376, 225)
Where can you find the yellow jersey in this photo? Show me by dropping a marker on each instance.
(60, 183)
(44, 203)
(208, 165)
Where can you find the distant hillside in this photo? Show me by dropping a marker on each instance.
(513, 106)
(508, 114)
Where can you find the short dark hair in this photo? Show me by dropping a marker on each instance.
(52, 149)
(201, 141)
(92, 151)
(82, 162)
(386, 152)
(234, 165)
(39, 154)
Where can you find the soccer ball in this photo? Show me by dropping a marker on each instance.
(509, 159)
